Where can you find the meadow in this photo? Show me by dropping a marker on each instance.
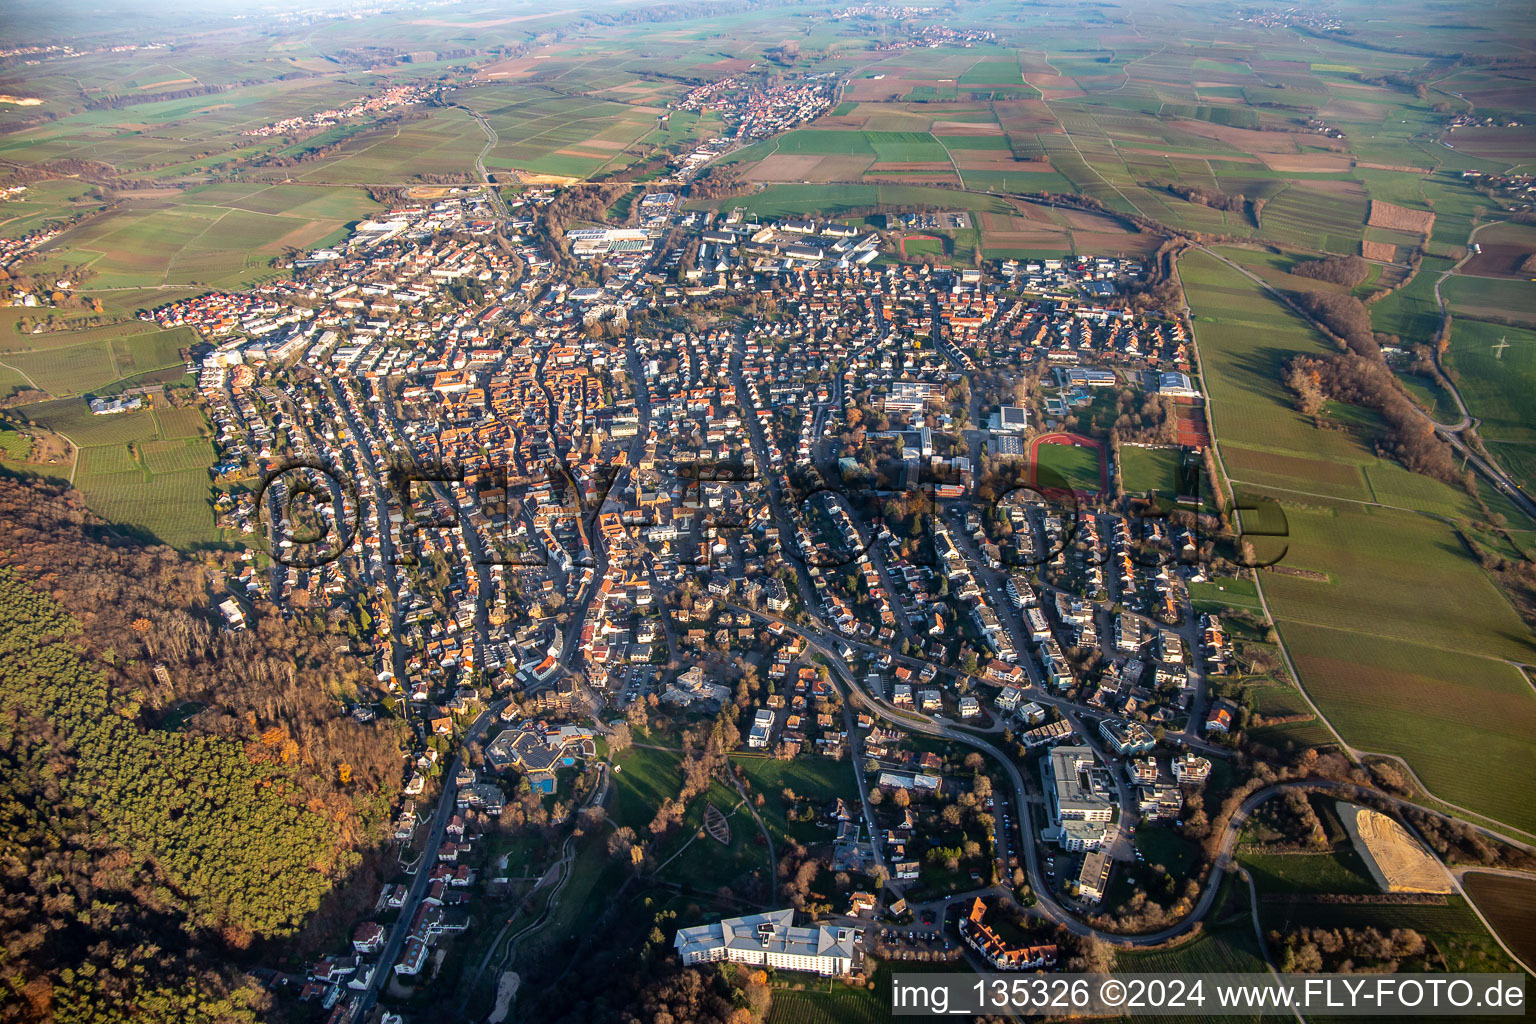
(1496, 370)
(1337, 870)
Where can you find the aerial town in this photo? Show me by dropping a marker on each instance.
(543, 497)
(707, 513)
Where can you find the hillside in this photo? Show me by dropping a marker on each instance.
(137, 852)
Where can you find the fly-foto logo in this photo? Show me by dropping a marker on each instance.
(313, 512)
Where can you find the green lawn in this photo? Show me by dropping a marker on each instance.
(1218, 595)
(819, 779)
(1077, 466)
(1411, 312)
(645, 778)
(1149, 469)
(1338, 870)
(1496, 366)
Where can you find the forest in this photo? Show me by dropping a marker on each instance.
(142, 853)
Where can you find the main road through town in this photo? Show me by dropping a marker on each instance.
(1046, 905)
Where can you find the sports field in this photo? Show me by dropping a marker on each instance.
(1077, 462)
(1150, 469)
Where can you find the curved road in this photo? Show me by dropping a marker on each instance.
(491, 138)
(445, 807)
(1046, 905)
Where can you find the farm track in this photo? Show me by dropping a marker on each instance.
(1356, 754)
(1496, 475)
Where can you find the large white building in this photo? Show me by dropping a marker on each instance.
(770, 940)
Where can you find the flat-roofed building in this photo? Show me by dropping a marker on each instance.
(1189, 769)
(770, 939)
(1077, 799)
(1093, 879)
(1009, 419)
(1176, 385)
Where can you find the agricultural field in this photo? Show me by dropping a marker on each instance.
(1490, 298)
(549, 132)
(839, 200)
(217, 236)
(1411, 312)
(1296, 890)
(91, 360)
(1245, 339)
(1446, 714)
(1394, 672)
(1217, 595)
(1509, 904)
(836, 1004)
(143, 470)
(146, 469)
(45, 201)
(1496, 368)
(1290, 724)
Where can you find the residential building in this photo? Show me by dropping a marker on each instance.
(1077, 799)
